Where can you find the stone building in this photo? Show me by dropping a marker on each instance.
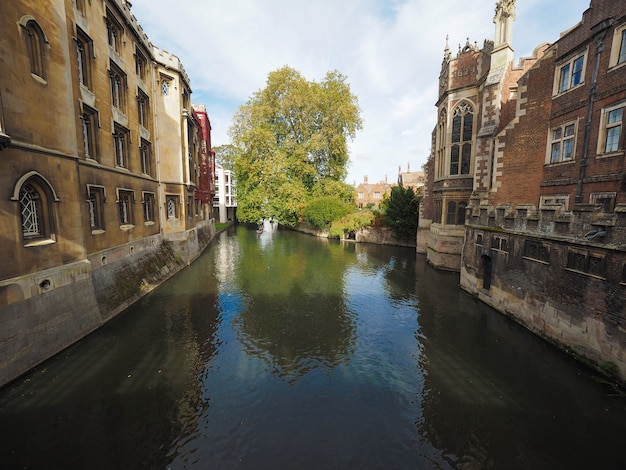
(545, 228)
(225, 200)
(86, 168)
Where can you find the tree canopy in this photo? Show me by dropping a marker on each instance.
(292, 144)
(401, 211)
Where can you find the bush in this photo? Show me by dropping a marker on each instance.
(401, 212)
(320, 212)
(351, 223)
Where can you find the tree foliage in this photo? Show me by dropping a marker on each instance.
(401, 211)
(225, 156)
(321, 211)
(351, 223)
(292, 144)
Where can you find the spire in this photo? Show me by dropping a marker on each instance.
(446, 51)
(505, 15)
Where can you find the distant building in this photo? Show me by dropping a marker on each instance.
(411, 179)
(225, 200)
(372, 193)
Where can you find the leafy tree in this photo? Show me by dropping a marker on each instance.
(351, 223)
(322, 211)
(225, 156)
(401, 211)
(291, 139)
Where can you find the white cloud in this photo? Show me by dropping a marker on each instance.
(391, 52)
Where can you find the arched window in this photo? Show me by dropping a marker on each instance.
(35, 197)
(35, 41)
(461, 141)
(456, 213)
(441, 144)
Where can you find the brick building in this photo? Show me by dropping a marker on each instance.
(545, 228)
(371, 194)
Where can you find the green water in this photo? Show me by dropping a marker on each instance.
(281, 350)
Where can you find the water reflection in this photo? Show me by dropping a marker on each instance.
(280, 350)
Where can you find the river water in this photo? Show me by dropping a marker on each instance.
(284, 351)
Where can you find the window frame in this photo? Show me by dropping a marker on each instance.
(90, 125)
(561, 139)
(115, 31)
(143, 109)
(554, 199)
(145, 154)
(606, 127)
(148, 200)
(461, 139)
(118, 84)
(85, 73)
(125, 201)
(44, 197)
(96, 198)
(121, 146)
(35, 41)
(172, 209)
(141, 65)
(617, 57)
(564, 78)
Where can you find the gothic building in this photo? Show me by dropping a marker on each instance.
(543, 232)
(101, 160)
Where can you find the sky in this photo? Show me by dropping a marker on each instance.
(390, 51)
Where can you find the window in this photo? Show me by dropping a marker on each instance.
(499, 243)
(148, 207)
(562, 143)
(189, 206)
(587, 262)
(171, 203)
(121, 145)
(84, 52)
(114, 33)
(35, 197)
(376, 195)
(143, 108)
(605, 200)
(360, 192)
(559, 199)
(571, 74)
(442, 126)
(612, 130)
(125, 209)
(89, 121)
(461, 147)
(165, 86)
(618, 47)
(456, 213)
(141, 65)
(80, 6)
(537, 251)
(36, 41)
(118, 87)
(145, 153)
(95, 205)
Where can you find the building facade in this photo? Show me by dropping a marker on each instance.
(225, 199)
(90, 150)
(543, 238)
(371, 194)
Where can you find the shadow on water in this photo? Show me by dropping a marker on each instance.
(279, 350)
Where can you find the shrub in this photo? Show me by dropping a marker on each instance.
(320, 212)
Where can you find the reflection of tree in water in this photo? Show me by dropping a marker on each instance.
(296, 318)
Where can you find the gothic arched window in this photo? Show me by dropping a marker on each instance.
(461, 139)
(441, 144)
(35, 197)
(35, 41)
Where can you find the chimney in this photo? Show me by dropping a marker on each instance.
(408, 168)
(365, 179)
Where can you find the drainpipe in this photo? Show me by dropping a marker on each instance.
(599, 32)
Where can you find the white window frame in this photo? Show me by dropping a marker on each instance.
(564, 78)
(605, 126)
(561, 138)
(618, 47)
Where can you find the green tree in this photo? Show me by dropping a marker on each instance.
(225, 156)
(292, 141)
(401, 212)
(320, 212)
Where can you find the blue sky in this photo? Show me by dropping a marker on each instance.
(390, 51)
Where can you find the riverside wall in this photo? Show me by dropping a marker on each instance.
(43, 313)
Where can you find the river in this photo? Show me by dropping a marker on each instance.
(285, 351)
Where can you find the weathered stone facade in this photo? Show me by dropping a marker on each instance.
(84, 220)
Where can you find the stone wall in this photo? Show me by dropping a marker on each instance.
(62, 305)
(560, 274)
